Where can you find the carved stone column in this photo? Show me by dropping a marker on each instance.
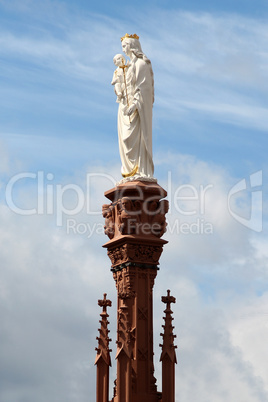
(134, 223)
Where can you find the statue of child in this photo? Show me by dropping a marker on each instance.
(118, 77)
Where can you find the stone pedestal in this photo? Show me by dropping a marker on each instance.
(134, 223)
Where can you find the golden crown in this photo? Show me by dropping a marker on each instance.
(129, 36)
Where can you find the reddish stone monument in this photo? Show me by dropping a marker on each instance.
(134, 223)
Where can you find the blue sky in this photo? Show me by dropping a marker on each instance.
(210, 122)
(54, 86)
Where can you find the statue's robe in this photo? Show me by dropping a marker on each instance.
(135, 131)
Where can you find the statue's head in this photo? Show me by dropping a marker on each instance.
(130, 43)
(126, 204)
(119, 60)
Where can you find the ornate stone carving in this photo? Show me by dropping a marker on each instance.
(128, 216)
(108, 214)
(123, 284)
(138, 253)
(103, 338)
(168, 355)
(159, 223)
(126, 334)
(103, 360)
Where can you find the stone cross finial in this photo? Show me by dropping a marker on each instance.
(168, 299)
(104, 303)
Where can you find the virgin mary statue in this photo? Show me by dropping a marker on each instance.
(135, 112)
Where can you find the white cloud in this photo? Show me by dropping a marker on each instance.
(214, 277)
(248, 329)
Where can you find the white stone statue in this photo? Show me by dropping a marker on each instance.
(135, 94)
